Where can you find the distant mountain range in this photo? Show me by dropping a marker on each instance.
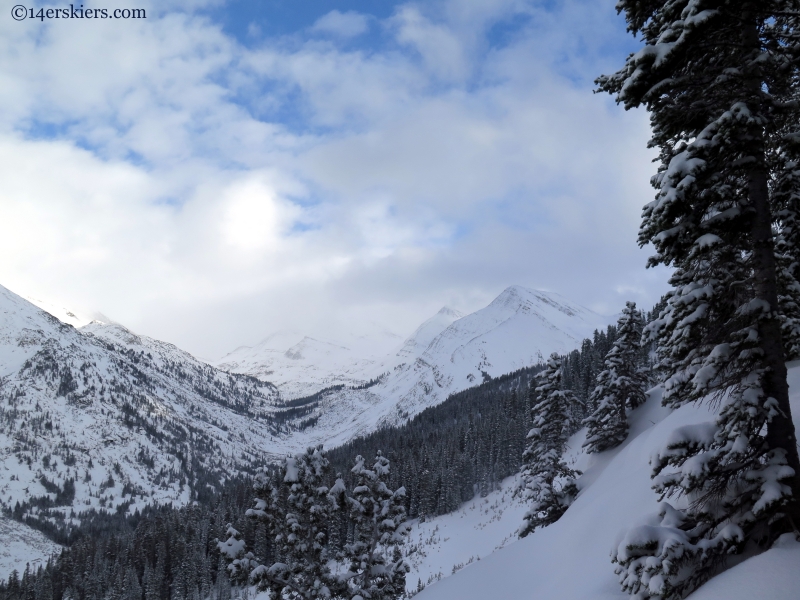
(95, 417)
(300, 364)
(448, 353)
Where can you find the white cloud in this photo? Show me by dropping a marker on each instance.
(441, 48)
(179, 199)
(343, 24)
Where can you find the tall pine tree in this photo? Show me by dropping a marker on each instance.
(547, 481)
(296, 509)
(719, 78)
(378, 514)
(620, 385)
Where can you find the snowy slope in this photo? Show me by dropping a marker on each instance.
(97, 417)
(442, 546)
(446, 354)
(301, 365)
(570, 559)
(419, 341)
(21, 546)
(70, 316)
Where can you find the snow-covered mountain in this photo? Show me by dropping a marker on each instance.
(70, 316)
(300, 364)
(519, 328)
(446, 354)
(96, 417)
(99, 417)
(422, 337)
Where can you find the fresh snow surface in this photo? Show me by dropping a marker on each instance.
(773, 575)
(300, 365)
(424, 335)
(22, 545)
(569, 560)
(446, 354)
(441, 546)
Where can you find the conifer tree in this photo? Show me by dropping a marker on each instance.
(296, 510)
(378, 515)
(620, 385)
(719, 78)
(131, 590)
(547, 481)
(241, 563)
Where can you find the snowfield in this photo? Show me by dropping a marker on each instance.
(441, 546)
(22, 546)
(570, 559)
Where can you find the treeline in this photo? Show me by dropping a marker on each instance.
(473, 440)
(580, 368)
(450, 452)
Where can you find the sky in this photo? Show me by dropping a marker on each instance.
(221, 170)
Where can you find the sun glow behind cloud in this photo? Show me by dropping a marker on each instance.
(246, 173)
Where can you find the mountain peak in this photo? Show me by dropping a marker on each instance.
(446, 311)
(516, 297)
(518, 291)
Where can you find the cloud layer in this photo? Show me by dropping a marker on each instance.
(209, 190)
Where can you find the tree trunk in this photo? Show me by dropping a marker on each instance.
(780, 430)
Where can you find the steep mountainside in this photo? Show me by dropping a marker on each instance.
(22, 546)
(570, 558)
(445, 355)
(99, 417)
(419, 341)
(517, 329)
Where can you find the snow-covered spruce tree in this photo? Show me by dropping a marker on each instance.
(547, 481)
(719, 78)
(375, 571)
(240, 562)
(620, 385)
(296, 509)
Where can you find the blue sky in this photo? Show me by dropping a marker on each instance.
(274, 18)
(221, 170)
